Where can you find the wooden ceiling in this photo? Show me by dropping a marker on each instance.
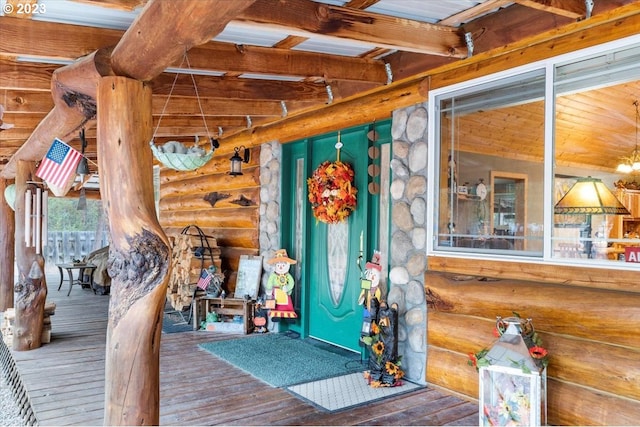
(253, 63)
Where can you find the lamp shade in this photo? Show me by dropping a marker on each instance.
(590, 196)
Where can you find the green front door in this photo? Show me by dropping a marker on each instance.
(335, 315)
(328, 276)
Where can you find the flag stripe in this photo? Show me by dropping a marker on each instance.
(204, 280)
(59, 164)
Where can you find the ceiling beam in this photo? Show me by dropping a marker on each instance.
(26, 102)
(574, 9)
(16, 76)
(40, 39)
(303, 17)
(285, 62)
(115, 4)
(379, 103)
(44, 40)
(236, 88)
(474, 12)
(147, 48)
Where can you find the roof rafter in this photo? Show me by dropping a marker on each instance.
(302, 17)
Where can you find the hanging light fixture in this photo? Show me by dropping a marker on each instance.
(236, 160)
(631, 164)
(589, 196)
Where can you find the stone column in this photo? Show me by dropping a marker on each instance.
(408, 260)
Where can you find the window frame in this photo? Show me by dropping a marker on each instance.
(548, 65)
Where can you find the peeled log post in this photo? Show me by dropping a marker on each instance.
(139, 254)
(7, 246)
(31, 289)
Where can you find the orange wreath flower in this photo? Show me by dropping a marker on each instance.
(331, 192)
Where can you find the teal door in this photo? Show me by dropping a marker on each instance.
(327, 274)
(335, 315)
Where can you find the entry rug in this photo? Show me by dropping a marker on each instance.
(346, 391)
(280, 361)
(174, 322)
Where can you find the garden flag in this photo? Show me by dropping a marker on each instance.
(204, 280)
(59, 164)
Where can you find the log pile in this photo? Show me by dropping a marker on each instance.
(9, 317)
(187, 262)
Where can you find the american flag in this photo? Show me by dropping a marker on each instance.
(59, 164)
(204, 280)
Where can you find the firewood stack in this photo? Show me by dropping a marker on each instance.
(9, 317)
(187, 262)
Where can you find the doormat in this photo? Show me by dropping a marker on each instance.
(346, 391)
(281, 361)
(173, 322)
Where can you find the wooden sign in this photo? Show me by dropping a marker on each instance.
(249, 274)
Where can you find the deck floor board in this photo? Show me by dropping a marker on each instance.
(65, 381)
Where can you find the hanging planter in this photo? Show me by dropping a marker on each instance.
(175, 155)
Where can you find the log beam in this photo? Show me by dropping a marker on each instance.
(139, 255)
(73, 88)
(7, 246)
(147, 48)
(468, 295)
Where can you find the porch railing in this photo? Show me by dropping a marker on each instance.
(65, 246)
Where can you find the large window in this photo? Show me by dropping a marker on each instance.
(508, 149)
(491, 158)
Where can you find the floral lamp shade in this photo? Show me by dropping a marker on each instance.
(513, 377)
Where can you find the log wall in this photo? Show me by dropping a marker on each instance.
(186, 198)
(591, 334)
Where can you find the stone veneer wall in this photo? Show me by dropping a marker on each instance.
(270, 159)
(408, 259)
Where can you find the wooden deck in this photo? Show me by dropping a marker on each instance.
(65, 381)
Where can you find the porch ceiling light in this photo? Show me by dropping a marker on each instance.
(237, 160)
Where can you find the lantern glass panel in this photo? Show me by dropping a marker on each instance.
(509, 396)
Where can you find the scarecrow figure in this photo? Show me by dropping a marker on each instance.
(371, 283)
(280, 285)
(371, 294)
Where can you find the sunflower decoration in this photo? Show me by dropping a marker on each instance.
(389, 373)
(332, 193)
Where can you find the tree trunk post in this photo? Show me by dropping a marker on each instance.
(139, 254)
(7, 246)
(30, 292)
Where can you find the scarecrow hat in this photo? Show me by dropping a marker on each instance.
(281, 256)
(375, 262)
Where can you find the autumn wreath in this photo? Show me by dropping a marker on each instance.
(331, 192)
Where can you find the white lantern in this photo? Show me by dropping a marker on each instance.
(513, 379)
